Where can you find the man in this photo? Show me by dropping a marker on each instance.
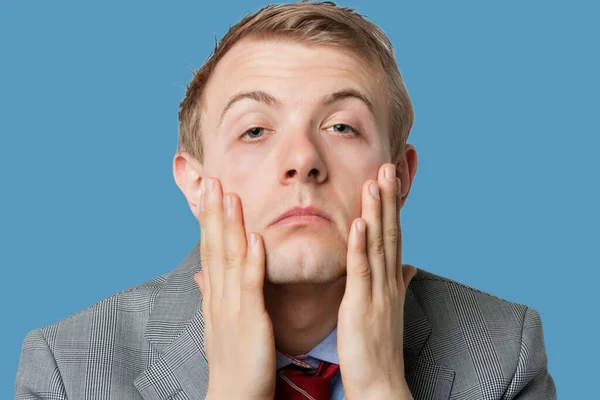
(293, 157)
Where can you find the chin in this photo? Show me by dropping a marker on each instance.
(315, 261)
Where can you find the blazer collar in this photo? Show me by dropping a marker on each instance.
(175, 331)
(425, 379)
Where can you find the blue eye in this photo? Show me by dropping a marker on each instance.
(343, 128)
(254, 133)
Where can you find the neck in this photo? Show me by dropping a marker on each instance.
(303, 314)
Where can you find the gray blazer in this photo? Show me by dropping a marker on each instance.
(147, 343)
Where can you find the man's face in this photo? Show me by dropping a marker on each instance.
(299, 138)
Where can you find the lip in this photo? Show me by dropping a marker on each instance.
(301, 215)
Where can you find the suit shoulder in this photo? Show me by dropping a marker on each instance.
(435, 293)
(428, 279)
(110, 333)
(131, 303)
(497, 345)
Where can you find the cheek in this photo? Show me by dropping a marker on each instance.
(350, 197)
(360, 169)
(235, 176)
(359, 173)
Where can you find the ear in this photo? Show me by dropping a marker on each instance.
(406, 169)
(188, 173)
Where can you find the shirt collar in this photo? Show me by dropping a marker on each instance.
(326, 350)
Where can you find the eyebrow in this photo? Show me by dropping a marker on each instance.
(264, 97)
(350, 94)
(256, 95)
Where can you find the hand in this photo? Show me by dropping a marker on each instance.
(238, 335)
(371, 315)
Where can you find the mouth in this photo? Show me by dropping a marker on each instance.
(301, 216)
(301, 220)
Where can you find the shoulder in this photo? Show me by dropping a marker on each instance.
(439, 296)
(109, 332)
(492, 344)
(127, 306)
(119, 318)
(122, 317)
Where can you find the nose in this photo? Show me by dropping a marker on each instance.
(302, 159)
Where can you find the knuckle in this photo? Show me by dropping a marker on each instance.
(248, 285)
(210, 211)
(391, 193)
(391, 232)
(207, 254)
(231, 259)
(363, 269)
(377, 246)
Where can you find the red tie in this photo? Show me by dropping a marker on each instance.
(295, 383)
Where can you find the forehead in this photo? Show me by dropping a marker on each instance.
(293, 72)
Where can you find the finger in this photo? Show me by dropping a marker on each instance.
(398, 269)
(389, 221)
(235, 247)
(213, 247)
(358, 270)
(252, 288)
(205, 273)
(371, 213)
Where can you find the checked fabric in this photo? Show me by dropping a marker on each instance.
(298, 383)
(146, 343)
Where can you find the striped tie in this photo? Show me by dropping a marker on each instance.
(297, 383)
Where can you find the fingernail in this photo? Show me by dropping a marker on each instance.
(360, 225)
(253, 240)
(398, 186)
(374, 189)
(202, 187)
(389, 172)
(210, 185)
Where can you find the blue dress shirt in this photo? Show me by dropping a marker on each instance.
(326, 351)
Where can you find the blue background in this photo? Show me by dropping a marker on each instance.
(505, 199)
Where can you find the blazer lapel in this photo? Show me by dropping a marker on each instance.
(175, 332)
(426, 379)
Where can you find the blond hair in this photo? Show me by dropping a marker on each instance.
(321, 23)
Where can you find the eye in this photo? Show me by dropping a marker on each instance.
(253, 133)
(342, 128)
